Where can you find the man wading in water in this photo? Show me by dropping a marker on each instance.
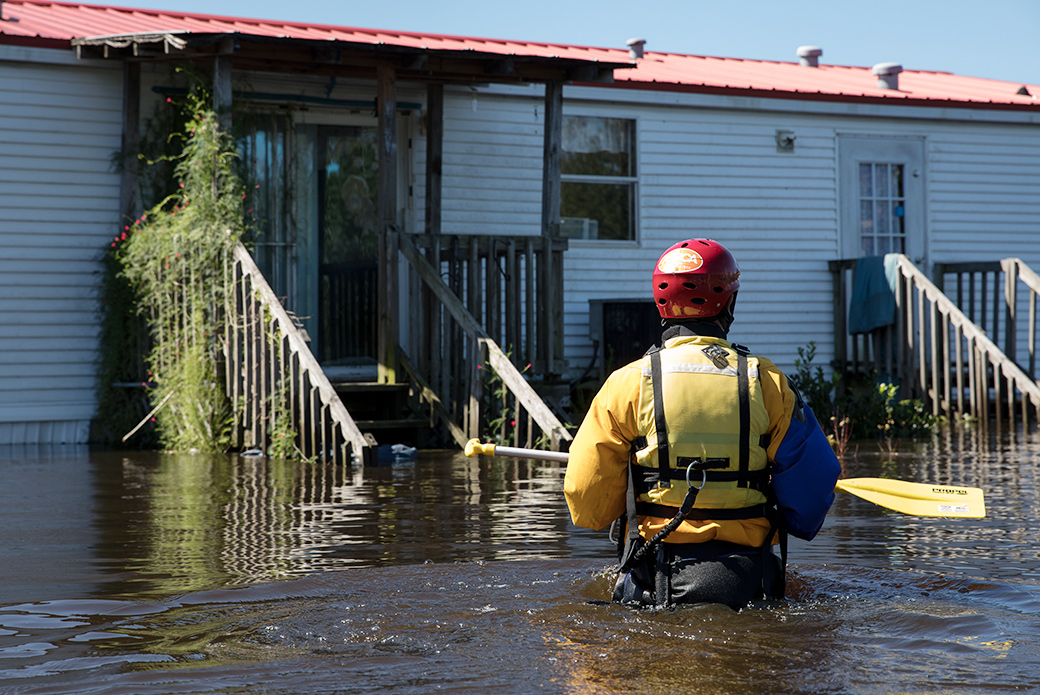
(705, 453)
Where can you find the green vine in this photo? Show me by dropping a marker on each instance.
(170, 264)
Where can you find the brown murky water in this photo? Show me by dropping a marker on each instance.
(144, 573)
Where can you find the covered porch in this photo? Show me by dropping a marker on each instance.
(334, 179)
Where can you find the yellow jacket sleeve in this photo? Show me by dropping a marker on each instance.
(597, 475)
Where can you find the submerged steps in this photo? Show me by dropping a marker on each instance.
(386, 411)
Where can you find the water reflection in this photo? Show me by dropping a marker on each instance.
(170, 524)
(141, 572)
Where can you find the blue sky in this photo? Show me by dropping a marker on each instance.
(998, 39)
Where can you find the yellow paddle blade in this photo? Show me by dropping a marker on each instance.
(918, 499)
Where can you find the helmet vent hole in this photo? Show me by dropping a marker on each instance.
(662, 301)
(720, 290)
(690, 285)
(698, 300)
(663, 286)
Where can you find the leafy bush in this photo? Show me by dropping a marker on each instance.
(860, 411)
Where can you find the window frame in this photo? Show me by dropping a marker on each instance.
(629, 181)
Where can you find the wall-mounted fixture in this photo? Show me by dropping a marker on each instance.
(785, 141)
(635, 48)
(809, 56)
(888, 75)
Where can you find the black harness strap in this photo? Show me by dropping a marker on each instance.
(664, 463)
(646, 477)
(633, 542)
(744, 402)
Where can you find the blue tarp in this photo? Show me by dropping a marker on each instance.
(873, 302)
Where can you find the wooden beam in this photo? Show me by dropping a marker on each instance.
(551, 324)
(386, 90)
(552, 159)
(434, 155)
(129, 198)
(222, 90)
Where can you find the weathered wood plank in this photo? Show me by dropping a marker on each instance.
(322, 391)
(473, 342)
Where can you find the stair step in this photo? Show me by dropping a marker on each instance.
(368, 387)
(406, 423)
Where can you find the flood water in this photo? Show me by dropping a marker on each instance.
(148, 573)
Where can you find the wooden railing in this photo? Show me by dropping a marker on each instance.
(272, 374)
(512, 286)
(999, 296)
(934, 351)
(449, 355)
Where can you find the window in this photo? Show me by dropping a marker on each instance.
(598, 182)
(881, 209)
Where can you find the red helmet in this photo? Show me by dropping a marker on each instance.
(695, 279)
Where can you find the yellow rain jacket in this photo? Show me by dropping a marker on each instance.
(701, 403)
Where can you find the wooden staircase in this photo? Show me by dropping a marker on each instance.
(270, 370)
(942, 355)
(387, 413)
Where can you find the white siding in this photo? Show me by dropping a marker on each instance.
(59, 202)
(492, 168)
(710, 167)
(985, 192)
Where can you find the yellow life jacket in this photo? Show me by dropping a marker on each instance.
(707, 397)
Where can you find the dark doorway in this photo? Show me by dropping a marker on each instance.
(348, 236)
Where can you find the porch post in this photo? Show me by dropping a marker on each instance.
(129, 202)
(222, 89)
(550, 333)
(552, 160)
(387, 275)
(426, 343)
(434, 155)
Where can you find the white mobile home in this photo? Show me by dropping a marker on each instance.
(609, 155)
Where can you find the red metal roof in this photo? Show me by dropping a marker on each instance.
(827, 82)
(49, 21)
(57, 23)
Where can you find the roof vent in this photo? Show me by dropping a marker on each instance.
(1023, 91)
(887, 75)
(810, 56)
(635, 48)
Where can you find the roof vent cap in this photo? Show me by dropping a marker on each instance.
(888, 75)
(635, 48)
(810, 56)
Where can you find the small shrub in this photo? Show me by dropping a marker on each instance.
(871, 410)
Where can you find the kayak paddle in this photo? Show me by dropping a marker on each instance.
(915, 499)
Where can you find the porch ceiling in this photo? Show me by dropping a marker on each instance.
(294, 55)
